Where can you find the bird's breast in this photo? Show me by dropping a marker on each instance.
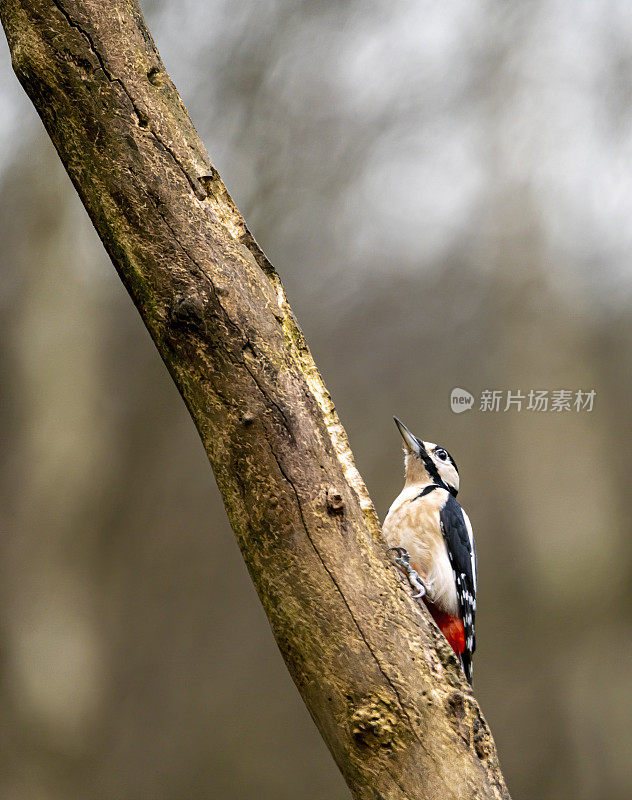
(414, 522)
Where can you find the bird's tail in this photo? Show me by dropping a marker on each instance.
(466, 662)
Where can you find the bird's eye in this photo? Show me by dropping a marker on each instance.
(441, 454)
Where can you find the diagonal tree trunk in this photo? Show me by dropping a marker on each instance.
(378, 679)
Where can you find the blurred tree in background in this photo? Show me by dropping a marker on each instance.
(446, 192)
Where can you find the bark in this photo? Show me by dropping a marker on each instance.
(380, 682)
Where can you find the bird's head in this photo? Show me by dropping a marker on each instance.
(426, 462)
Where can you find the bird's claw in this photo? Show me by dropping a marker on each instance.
(402, 555)
(416, 582)
(402, 559)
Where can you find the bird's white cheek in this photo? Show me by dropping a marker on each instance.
(451, 476)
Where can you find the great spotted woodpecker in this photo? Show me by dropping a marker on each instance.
(433, 539)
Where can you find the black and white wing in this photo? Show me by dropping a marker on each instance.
(457, 533)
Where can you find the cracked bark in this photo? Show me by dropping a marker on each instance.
(378, 679)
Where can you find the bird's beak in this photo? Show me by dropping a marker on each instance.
(412, 443)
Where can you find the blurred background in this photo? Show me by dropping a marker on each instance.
(446, 191)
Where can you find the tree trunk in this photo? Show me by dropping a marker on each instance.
(379, 680)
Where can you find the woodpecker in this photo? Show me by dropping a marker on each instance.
(434, 544)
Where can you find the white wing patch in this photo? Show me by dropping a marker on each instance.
(470, 536)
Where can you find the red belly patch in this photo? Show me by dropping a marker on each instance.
(451, 627)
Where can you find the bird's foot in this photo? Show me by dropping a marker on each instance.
(402, 559)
